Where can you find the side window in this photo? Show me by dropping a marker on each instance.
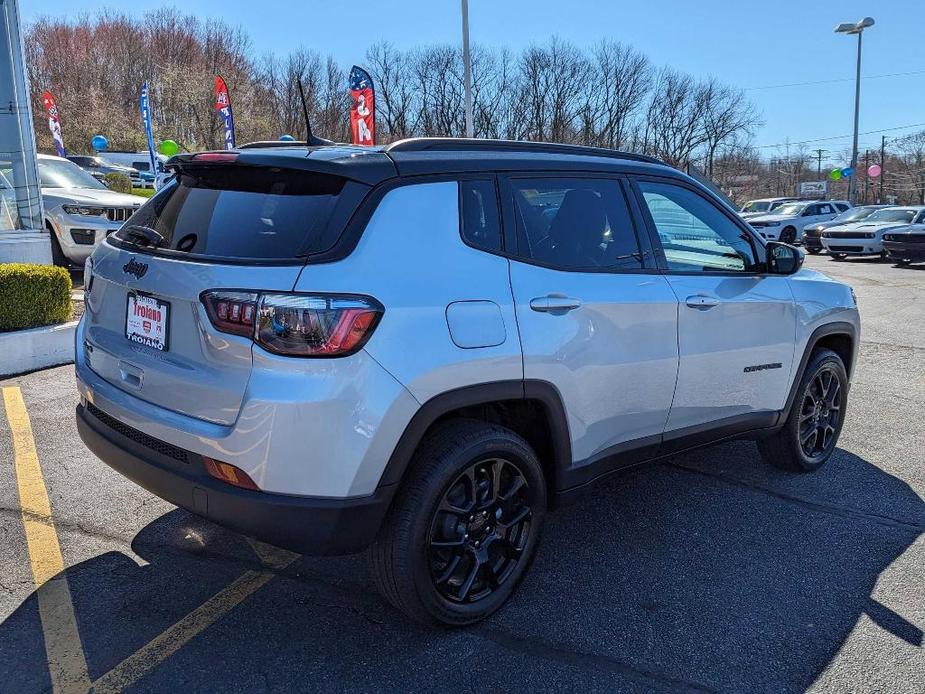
(825, 209)
(695, 234)
(575, 224)
(478, 214)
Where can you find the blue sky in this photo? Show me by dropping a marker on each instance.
(747, 44)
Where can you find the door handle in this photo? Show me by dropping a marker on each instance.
(554, 303)
(701, 302)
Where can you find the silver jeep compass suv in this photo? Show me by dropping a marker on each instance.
(418, 349)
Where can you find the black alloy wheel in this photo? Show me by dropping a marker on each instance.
(788, 235)
(480, 530)
(820, 414)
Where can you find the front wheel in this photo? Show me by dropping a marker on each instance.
(903, 262)
(788, 235)
(839, 256)
(464, 527)
(814, 251)
(808, 438)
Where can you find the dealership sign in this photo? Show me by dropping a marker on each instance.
(810, 189)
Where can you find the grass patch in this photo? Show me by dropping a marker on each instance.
(143, 192)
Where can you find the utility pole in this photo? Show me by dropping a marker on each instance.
(882, 167)
(819, 154)
(467, 68)
(866, 176)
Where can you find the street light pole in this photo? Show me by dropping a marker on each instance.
(852, 184)
(856, 28)
(467, 68)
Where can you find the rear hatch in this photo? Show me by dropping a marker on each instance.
(220, 226)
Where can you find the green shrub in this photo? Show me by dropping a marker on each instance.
(33, 295)
(118, 182)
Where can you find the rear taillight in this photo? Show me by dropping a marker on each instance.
(232, 312)
(299, 325)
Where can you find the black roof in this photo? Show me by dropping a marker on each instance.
(419, 156)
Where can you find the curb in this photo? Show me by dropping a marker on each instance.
(37, 348)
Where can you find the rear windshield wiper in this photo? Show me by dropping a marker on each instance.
(136, 233)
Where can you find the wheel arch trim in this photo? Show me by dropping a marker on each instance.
(826, 330)
(542, 392)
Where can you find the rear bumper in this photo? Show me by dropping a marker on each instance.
(306, 525)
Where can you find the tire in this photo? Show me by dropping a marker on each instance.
(57, 255)
(839, 257)
(820, 404)
(813, 251)
(425, 553)
(788, 235)
(903, 262)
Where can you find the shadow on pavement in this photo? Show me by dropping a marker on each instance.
(709, 572)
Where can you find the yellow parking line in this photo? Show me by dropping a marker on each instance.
(67, 665)
(160, 648)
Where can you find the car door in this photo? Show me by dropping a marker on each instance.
(736, 324)
(596, 318)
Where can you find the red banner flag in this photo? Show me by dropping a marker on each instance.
(363, 109)
(223, 106)
(54, 121)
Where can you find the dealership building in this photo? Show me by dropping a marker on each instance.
(23, 237)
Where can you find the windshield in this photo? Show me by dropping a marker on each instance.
(889, 215)
(756, 206)
(57, 173)
(855, 214)
(790, 208)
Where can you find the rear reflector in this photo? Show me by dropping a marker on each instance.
(229, 474)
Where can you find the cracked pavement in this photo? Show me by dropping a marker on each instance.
(707, 572)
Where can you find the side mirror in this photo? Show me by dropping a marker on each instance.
(783, 259)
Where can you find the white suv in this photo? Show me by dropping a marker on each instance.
(786, 222)
(420, 349)
(79, 210)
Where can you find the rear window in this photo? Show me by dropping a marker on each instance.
(248, 212)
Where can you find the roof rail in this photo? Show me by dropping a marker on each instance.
(462, 144)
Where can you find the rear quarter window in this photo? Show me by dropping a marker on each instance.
(248, 212)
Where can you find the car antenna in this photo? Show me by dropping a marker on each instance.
(308, 125)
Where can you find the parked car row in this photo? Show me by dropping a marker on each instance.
(841, 230)
(135, 165)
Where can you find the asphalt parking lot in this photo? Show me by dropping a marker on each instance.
(710, 571)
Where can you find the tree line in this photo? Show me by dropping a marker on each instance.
(609, 95)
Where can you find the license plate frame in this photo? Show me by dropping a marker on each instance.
(142, 330)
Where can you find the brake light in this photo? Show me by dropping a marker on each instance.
(316, 325)
(299, 325)
(232, 312)
(229, 474)
(216, 157)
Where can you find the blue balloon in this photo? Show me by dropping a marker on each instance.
(847, 171)
(286, 138)
(99, 143)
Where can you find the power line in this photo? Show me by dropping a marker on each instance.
(841, 137)
(834, 81)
